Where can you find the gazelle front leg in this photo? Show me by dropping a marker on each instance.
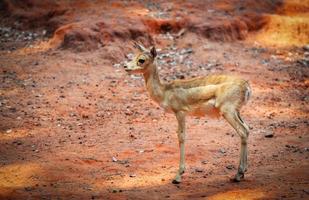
(181, 132)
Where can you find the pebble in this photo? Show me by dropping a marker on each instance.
(9, 131)
(229, 167)
(18, 142)
(306, 99)
(117, 65)
(114, 159)
(199, 170)
(11, 34)
(28, 189)
(44, 32)
(269, 134)
(186, 51)
(114, 190)
(204, 162)
(292, 126)
(223, 151)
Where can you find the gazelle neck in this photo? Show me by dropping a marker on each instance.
(153, 83)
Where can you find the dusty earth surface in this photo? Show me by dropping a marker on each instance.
(74, 125)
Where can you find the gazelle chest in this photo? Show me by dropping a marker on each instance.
(171, 102)
(165, 104)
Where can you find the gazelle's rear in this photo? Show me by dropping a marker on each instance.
(212, 95)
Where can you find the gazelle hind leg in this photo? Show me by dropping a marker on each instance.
(245, 148)
(241, 128)
(243, 122)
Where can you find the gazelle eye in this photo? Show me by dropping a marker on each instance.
(141, 61)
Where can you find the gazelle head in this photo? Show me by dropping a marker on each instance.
(142, 61)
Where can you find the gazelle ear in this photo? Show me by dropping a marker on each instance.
(153, 51)
(139, 47)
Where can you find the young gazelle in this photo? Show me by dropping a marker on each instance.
(212, 95)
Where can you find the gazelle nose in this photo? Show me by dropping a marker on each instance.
(125, 67)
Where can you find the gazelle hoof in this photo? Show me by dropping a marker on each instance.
(238, 178)
(177, 179)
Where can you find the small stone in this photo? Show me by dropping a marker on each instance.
(9, 131)
(292, 126)
(269, 134)
(114, 159)
(28, 189)
(18, 142)
(223, 151)
(180, 76)
(229, 167)
(306, 191)
(204, 162)
(123, 162)
(306, 47)
(199, 170)
(117, 65)
(306, 99)
(128, 112)
(132, 175)
(85, 116)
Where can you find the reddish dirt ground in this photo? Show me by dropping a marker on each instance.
(74, 125)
